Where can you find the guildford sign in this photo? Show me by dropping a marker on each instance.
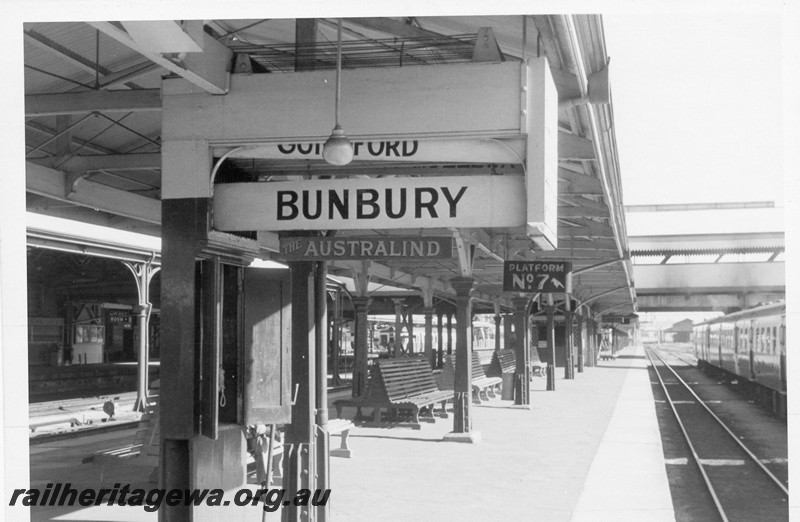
(375, 203)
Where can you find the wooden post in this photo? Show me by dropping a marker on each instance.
(522, 376)
(360, 369)
(462, 385)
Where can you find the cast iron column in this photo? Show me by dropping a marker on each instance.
(522, 377)
(398, 327)
(497, 329)
(299, 455)
(360, 369)
(580, 343)
(429, 355)
(462, 386)
(440, 339)
(551, 347)
(569, 369)
(449, 333)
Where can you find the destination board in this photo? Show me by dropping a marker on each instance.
(365, 247)
(536, 276)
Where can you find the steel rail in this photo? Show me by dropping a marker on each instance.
(688, 440)
(733, 436)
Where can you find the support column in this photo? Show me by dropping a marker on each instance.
(321, 440)
(497, 327)
(522, 375)
(299, 448)
(508, 333)
(449, 333)
(551, 347)
(398, 327)
(581, 343)
(143, 273)
(569, 369)
(440, 339)
(360, 369)
(462, 385)
(409, 320)
(336, 336)
(429, 355)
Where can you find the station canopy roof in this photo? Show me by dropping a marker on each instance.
(93, 130)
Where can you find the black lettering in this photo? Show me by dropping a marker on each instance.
(430, 204)
(285, 149)
(86, 498)
(291, 203)
(411, 152)
(32, 497)
(453, 201)
(17, 492)
(341, 204)
(362, 201)
(392, 148)
(305, 149)
(356, 146)
(323, 500)
(374, 152)
(390, 204)
(307, 205)
(68, 492)
(243, 497)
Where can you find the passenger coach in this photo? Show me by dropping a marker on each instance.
(750, 344)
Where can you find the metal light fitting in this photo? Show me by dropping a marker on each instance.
(338, 150)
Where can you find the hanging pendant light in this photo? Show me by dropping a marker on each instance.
(337, 149)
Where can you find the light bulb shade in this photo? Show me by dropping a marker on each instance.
(337, 149)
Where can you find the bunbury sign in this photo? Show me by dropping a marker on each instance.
(374, 203)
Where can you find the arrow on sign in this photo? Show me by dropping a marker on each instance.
(557, 283)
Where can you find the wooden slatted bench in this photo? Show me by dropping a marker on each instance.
(503, 361)
(404, 385)
(483, 387)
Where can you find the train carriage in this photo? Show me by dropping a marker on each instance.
(750, 344)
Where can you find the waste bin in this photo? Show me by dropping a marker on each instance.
(508, 386)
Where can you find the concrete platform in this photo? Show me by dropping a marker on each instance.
(588, 451)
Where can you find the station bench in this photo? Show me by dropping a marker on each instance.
(405, 387)
(503, 362)
(483, 387)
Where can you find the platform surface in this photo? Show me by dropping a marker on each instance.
(588, 451)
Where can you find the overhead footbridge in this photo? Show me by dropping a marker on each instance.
(704, 272)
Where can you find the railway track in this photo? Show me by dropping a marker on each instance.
(739, 485)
